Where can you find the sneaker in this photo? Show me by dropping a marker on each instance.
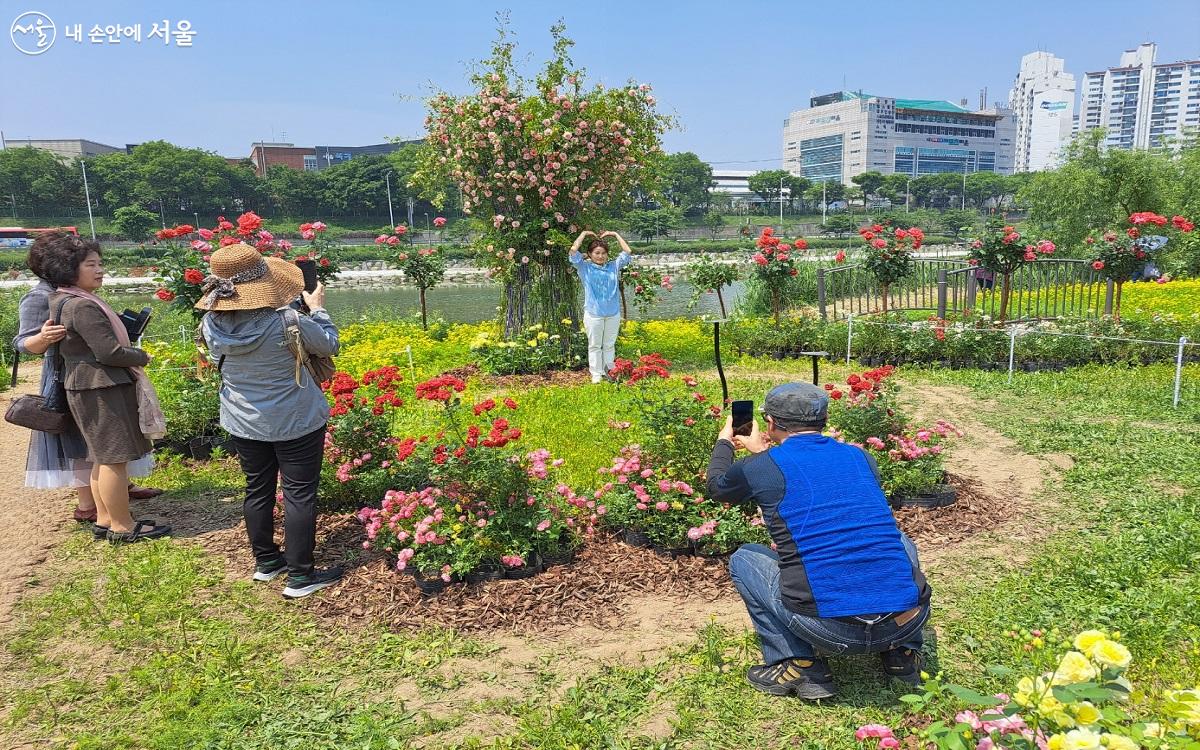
(301, 586)
(904, 664)
(809, 679)
(269, 570)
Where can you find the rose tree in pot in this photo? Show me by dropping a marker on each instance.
(1000, 250)
(888, 255)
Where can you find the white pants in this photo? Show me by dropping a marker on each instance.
(602, 343)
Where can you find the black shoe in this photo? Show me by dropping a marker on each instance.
(269, 570)
(142, 530)
(809, 679)
(904, 664)
(301, 586)
(99, 533)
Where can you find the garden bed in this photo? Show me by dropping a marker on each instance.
(594, 590)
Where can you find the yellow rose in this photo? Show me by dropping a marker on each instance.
(1111, 654)
(532, 342)
(1088, 638)
(566, 321)
(1024, 694)
(677, 505)
(1057, 742)
(1082, 739)
(1118, 742)
(1086, 714)
(543, 335)
(1073, 668)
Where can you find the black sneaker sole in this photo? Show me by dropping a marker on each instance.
(299, 592)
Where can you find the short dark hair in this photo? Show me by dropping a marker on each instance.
(56, 257)
(797, 426)
(597, 243)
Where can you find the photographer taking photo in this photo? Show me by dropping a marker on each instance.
(843, 578)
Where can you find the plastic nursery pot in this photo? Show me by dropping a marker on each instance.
(428, 583)
(562, 556)
(488, 571)
(937, 496)
(635, 538)
(672, 552)
(532, 566)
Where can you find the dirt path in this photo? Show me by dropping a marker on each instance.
(35, 521)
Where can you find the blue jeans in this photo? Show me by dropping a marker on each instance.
(783, 634)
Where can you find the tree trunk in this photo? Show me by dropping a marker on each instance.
(1117, 302)
(624, 304)
(884, 291)
(721, 302)
(1004, 297)
(424, 321)
(775, 305)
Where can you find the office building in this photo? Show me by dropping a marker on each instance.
(68, 148)
(846, 133)
(266, 155)
(734, 183)
(1042, 100)
(1141, 104)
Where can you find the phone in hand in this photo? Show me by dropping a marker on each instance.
(309, 269)
(743, 417)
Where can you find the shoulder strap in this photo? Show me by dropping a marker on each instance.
(292, 337)
(16, 361)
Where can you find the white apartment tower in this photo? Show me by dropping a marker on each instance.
(1141, 104)
(1043, 101)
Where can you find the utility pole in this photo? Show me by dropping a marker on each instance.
(781, 204)
(964, 190)
(907, 194)
(388, 179)
(824, 203)
(87, 196)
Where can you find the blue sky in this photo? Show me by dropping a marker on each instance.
(352, 72)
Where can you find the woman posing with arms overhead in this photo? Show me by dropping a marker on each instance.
(601, 297)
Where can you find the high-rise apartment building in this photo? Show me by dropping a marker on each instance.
(847, 133)
(1043, 102)
(1142, 104)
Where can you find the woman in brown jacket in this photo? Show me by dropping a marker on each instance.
(106, 389)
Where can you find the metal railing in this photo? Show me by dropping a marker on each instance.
(1045, 288)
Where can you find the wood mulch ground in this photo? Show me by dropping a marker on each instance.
(592, 590)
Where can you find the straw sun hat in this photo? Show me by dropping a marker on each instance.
(241, 278)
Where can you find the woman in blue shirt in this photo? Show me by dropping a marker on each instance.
(601, 297)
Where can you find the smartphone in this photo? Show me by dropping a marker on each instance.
(309, 269)
(743, 417)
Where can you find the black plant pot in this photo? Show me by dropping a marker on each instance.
(532, 566)
(488, 571)
(937, 496)
(201, 448)
(429, 584)
(564, 556)
(672, 552)
(635, 538)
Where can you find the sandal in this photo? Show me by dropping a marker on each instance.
(143, 493)
(145, 529)
(85, 516)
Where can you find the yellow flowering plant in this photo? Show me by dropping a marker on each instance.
(1075, 697)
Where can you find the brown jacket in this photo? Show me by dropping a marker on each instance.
(92, 356)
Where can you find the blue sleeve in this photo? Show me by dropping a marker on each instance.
(623, 260)
(576, 259)
(34, 311)
(319, 334)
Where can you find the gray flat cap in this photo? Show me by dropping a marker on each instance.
(800, 404)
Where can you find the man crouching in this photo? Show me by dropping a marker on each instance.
(843, 578)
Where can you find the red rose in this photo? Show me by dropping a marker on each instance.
(1098, 265)
(835, 394)
(206, 234)
(439, 222)
(183, 229)
(192, 276)
(840, 257)
(227, 240)
(248, 223)
(166, 295)
(324, 262)
(1133, 232)
(165, 234)
(801, 244)
(879, 244)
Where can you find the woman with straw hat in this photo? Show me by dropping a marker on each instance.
(275, 412)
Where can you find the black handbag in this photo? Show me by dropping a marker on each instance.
(50, 414)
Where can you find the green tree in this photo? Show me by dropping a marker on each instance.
(767, 185)
(1096, 188)
(869, 183)
(714, 220)
(841, 224)
(686, 181)
(954, 221)
(654, 223)
(983, 187)
(893, 188)
(39, 180)
(134, 223)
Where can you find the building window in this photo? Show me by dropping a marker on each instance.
(310, 163)
(821, 158)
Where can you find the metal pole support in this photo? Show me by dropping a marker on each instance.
(849, 335)
(821, 292)
(941, 293)
(1012, 350)
(1108, 297)
(1179, 370)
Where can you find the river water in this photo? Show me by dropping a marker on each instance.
(471, 303)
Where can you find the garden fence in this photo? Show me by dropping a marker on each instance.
(1046, 288)
(1016, 331)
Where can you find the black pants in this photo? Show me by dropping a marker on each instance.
(299, 463)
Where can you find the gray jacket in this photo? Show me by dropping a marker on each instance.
(259, 396)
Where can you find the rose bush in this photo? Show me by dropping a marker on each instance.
(888, 254)
(774, 264)
(1000, 250)
(1119, 256)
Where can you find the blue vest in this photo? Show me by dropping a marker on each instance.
(835, 520)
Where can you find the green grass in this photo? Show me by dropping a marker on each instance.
(153, 646)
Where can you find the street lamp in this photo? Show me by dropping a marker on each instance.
(388, 179)
(964, 190)
(824, 203)
(907, 194)
(87, 195)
